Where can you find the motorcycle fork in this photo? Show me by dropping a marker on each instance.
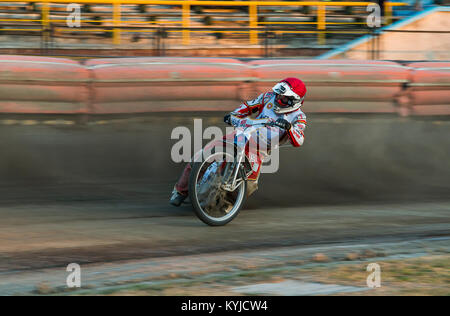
(235, 171)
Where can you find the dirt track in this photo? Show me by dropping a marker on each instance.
(98, 192)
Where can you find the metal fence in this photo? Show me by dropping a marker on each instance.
(255, 27)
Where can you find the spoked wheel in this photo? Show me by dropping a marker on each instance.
(213, 204)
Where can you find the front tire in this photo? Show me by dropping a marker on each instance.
(197, 167)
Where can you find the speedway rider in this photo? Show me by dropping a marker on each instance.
(282, 105)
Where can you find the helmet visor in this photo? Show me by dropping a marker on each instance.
(287, 101)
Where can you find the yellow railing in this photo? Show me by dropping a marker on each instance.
(186, 7)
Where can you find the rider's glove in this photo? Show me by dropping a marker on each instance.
(227, 119)
(282, 123)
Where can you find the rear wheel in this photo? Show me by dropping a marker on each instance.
(213, 204)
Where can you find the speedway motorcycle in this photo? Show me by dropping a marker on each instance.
(220, 183)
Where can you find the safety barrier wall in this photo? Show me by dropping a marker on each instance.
(136, 85)
(429, 88)
(339, 86)
(43, 85)
(167, 84)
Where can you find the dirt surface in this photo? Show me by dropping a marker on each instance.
(96, 193)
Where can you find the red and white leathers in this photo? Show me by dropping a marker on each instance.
(263, 107)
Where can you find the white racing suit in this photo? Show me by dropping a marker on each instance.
(263, 105)
(263, 108)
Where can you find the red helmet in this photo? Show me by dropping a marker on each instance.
(294, 90)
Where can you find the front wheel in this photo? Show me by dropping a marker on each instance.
(213, 204)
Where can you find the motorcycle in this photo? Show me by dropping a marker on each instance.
(219, 183)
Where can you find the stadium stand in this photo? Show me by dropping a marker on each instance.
(142, 25)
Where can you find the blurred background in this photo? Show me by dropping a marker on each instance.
(230, 28)
(90, 92)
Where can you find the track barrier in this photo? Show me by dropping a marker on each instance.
(158, 84)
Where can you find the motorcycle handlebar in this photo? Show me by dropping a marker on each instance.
(262, 124)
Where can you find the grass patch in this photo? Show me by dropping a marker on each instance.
(417, 276)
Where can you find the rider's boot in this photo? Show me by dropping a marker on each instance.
(177, 198)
